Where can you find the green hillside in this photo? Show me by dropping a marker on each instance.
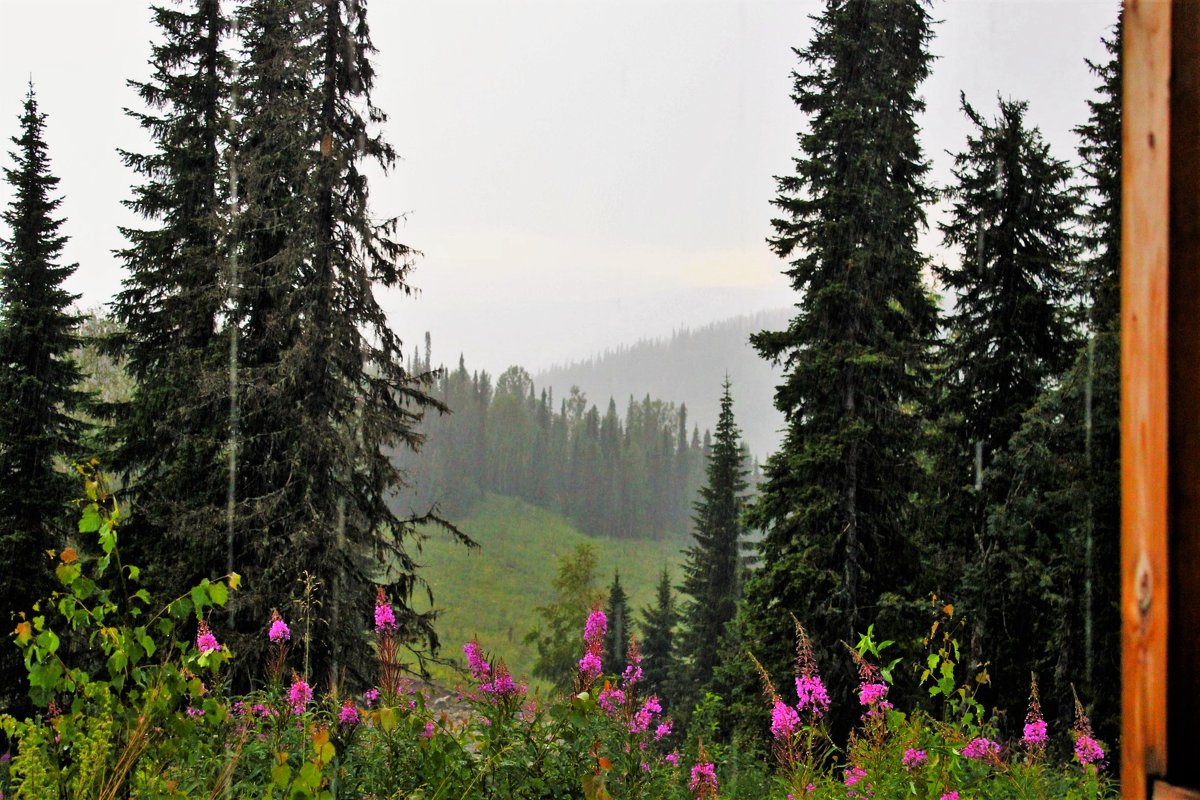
(490, 593)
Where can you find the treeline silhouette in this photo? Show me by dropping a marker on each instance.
(634, 475)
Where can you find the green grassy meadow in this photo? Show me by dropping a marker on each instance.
(491, 592)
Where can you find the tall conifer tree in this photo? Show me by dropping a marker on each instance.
(1064, 505)
(659, 622)
(1009, 335)
(620, 627)
(38, 379)
(835, 500)
(324, 383)
(712, 573)
(171, 437)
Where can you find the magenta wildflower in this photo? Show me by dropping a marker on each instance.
(633, 661)
(784, 720)
(205, 641)
(478, 665)
(589, 665)
(1035, 733)
(810, 690)
(950, 795)
(349, 714)
(980, 749)
(854, 776)
(914, 757)
(672, 759)
(193, 712)
(645, 715)
(502, 685)
(385, 618)
(611, 699)
(280, 632)
(596, 626)
(704, 780)
(812, 695)
(1088, 751)
(870, 694)
(662, 731)
(299, 695)
(428, 732)
(593, 639)
(370, 696)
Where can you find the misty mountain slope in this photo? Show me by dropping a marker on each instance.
(492, 593)
(689, 367)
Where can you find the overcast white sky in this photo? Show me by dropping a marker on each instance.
(577, 174)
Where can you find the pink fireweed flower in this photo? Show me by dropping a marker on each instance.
(870, 694)
(593, 639)
(854, 776)
(205, 641)
(810, 690)
(784, 720)
(370, 696)
(645, 715)
(704, 781)
(914, 757)
(478, 665)
(589, 665)
(812, 695)
(427, 733)
(502, 685)
(385, 618)
(1035, 734)
(662, 731)
(672, 759)
(950, 795)
(981, 749)
(299, 694)
(1088, 751)
(611, 699)
(279, 631)
(193, 712)
(596, 626)
(349, 714)
(633, 661)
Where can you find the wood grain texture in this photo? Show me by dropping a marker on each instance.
(1144, 390)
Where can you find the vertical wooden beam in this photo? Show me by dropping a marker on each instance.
(1144, 365)
(1183, 544)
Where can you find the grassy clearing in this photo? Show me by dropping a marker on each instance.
(491, 593)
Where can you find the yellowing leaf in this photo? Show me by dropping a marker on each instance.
(69, 555)
(24, 633)
(235, 581)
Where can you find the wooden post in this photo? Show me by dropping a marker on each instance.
(1160, 400)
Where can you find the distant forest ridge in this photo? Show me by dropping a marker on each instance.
(688, 367)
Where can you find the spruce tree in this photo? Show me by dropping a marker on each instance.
(321, 378)
(38, 379)
(617, 635)
(835, 502)
(1063, 510)
(170, 438)
(659, 622)
(712, 574)
(1009, 336)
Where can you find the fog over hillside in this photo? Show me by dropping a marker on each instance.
(688, 367)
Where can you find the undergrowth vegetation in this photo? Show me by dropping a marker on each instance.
(134, 704)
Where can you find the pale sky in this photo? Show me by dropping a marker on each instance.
(577, 174)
